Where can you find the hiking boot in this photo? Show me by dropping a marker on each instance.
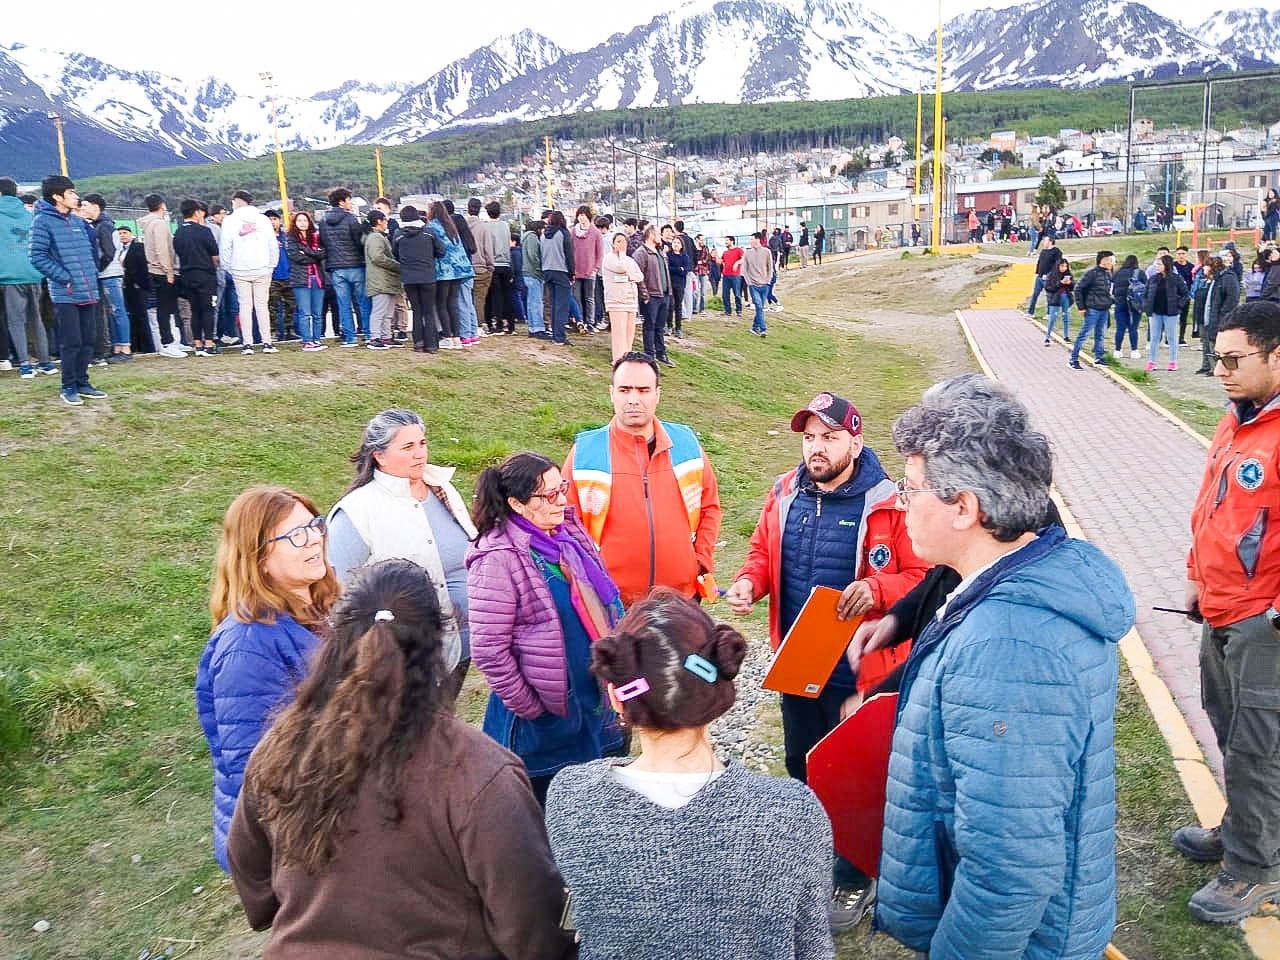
(849, 905)
(1226, 899)
(1198, 843)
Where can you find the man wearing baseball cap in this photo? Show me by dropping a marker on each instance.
(832, 521)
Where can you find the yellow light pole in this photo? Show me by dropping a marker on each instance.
(546, 146)
(915, 200)
(935, 238)
(269, 80)
(377, 162)
(62, 146)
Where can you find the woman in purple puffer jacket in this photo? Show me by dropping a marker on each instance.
(539, 597)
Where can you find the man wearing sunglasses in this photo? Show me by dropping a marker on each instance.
(1233, 574)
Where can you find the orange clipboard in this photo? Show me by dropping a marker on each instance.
(813, 646)
(848, 769)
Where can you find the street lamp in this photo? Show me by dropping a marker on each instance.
(62, 147)
(267, 78)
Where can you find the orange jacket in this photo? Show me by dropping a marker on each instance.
(646, 540)
(1235, 523)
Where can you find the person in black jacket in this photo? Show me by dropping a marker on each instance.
(113, 320)
(417, 249)
(197, 254)
(342, 237)
(1222, 296)
(305, 253)
(137, 289)
(1125, 320)
(1093, 299)
(1046, 263)
(1166, 295)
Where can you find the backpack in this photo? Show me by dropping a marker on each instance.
(1137, 295)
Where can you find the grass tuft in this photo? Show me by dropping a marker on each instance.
(59, 702)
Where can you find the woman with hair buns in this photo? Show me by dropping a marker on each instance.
(271, 592)
(674, 844)
(540, 597)
(375, 824)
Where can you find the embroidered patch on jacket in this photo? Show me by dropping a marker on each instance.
(880, 556)
(1250, 474)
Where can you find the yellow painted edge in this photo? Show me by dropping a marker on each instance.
(1261, 932)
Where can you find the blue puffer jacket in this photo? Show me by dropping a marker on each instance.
(999, 834)
(456, 263)
(247, 672)
(64, 249)
(15, 243)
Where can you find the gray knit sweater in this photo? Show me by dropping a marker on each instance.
(740, 872)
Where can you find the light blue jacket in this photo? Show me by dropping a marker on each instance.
(455, 264)
(999, 834)
(15, 243)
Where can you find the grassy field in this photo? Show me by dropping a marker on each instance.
(113, 514)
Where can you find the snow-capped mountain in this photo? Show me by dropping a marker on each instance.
(1253, 36)
(451, 91)
(706, 51)
(1059, 44)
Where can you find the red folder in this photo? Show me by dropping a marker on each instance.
(848, 769)
(809, 652)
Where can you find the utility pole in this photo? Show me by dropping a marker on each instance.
(377, 162)
(936, 236)
(269, 80)
(62, 146)
(915, 199)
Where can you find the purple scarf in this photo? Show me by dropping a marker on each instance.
(565, 549)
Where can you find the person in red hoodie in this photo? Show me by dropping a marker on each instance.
(832, 521)
(645, 490)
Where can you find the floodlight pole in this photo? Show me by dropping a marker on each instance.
(936, 237)
(269, 80)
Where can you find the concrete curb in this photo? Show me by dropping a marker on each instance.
(1261, 932)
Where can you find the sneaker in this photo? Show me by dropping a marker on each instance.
(228, 340)
(48, 369)
(117, 358)
(758, 333)
(170, 350)
(1046, 341)
(849, 905)
(777, 308)
(5, 365)
(71, 397)
(201, 352)
(1135, 355)
(1226, 899)
(1150, 366)
(348, 343)
(98, 362)
(247, 351)
(377, 345)
(666, 361)
(1173, 366)
(311, 347)
(540, 335)
(26, 371)
(1074, 365)
(91, 393)
(184, 347)
(1199, 844)
(270, 348)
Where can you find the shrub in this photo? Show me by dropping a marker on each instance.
(15, 735)
(62, 701)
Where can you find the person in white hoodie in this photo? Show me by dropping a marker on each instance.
(248, 251)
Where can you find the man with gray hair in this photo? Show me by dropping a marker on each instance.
(999, 833)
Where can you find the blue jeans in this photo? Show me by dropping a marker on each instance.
(1166, 327)
(700, 293)
(759, 292)
(1125, 320)
(533, 304)
(348, 285)
(732, 285)
(1034, 235)
(1036, 290)
(228, 307)
(557, 288)
(113, 294)
(309, 315)
(1060, 309)
(468, 320)
(1095, 322)
(653, 317)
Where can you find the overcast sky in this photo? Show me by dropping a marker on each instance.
(118, 37)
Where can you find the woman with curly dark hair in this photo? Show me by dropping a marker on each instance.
(373, 822)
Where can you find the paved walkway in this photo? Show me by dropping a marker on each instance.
(1128, 475)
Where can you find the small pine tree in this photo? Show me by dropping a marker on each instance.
(1051, 191)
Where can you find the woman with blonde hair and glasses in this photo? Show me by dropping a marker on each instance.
(272, 589)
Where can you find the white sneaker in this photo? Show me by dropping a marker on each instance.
(247, 351)
(270, 348)
(172, 350)
(1135, 355)
(184, 347)
(777, 308)
(5, 365)
(229, 340)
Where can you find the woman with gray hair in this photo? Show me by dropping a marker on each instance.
(401, 507)
(1000, 804)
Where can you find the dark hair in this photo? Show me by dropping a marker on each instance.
(375, 217)
(153, 202)
(54, 186)
(293, 230)
(556, 219)
(441, 213)
(603, 222)
(96, 199)
(1165, 249)
(28, 198)
(732, 239)
(543, 216)
(652, 642)
(243, 195)
(1130, 262)
(1217, 265)
(378, 434)
(1102, 255)
(583, 209)
(494, 209)
(1260, 321)
(188, 207)
(8, 187)
(629, 222)
(635, 356)
(273, 214)
(473, 206)
(1167, 262)
(338, 195)
(1183, 247)
(448, 205)
(409, 214)
(680, 226)
(382, 200)
(518, 476)
(370, 697)
(216, 208)
(537, 226)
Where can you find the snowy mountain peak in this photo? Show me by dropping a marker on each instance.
(1252, 35)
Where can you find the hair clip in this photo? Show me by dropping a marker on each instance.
(386, 615)
(702, 668)
(629, 691)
